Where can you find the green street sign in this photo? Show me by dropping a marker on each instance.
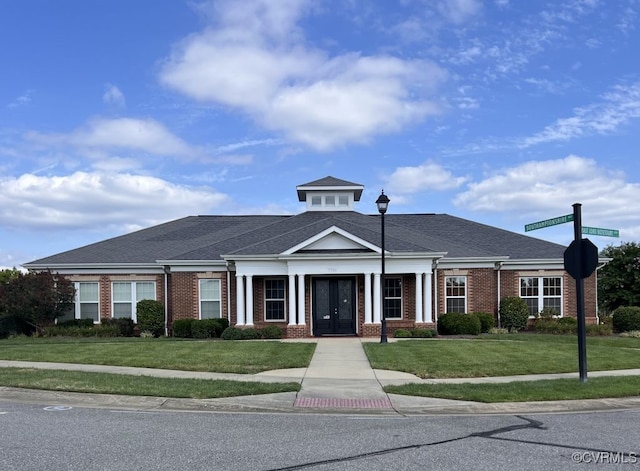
(548, 223)
(597, 231)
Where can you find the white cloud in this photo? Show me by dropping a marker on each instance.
(255, 60)
(459, 11)
(21, 100)
(617, 108)
(113, 96)
(427, 177)
(549, 188)
(146, 135)
(98, 201)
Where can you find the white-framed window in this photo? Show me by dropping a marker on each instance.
(126, 294)
(86, 302)
(343, 200)
(316, 200)
(543, 292)
(210, 298)
(330, 200)
(456, 294)
(274, 300)
(393, 297)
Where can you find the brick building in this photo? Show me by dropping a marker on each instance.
(318, 272)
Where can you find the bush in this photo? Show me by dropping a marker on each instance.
(626, 318)
(632, 333)
(124, 325)
(220, 324)
(421, 333)
(402, 334)
(204, 329)
(599, 330)
(182, 328)
(498, 331)
(231, 333)
(150, 316)
(457, 323)
(251, 334)
(76, 323)
(487, 321)
(272, 332)
(81, 331)
(514, 313)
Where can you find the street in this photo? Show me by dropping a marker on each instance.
(50, 437)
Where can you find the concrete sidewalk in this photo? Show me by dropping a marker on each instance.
(339, 379)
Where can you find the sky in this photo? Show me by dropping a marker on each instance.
(116, 115)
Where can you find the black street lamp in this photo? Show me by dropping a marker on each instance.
(383, 203)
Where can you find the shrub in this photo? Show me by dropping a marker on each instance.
(272, 332)
(514, 313)
(626, 318)
(231, 333)
(599, 330)
(402, 334)
(457, 323)
(250, 334)
(204, 329)
(182, 328)
(548, 313)
(220, 324)
(421, 333)
(498, 331)
(563, 325)
(76, 323)
(632, 333)
(487, 321)
(150, 316)
(124, 325)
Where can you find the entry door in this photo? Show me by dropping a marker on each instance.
(334, 306)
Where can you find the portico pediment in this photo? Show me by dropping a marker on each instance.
(333, 239)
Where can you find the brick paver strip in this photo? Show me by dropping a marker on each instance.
(335, 403)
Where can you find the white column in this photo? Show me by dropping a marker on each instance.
(428, 299)
(419, 299)
(249, 299)
(301, 310)
(240, 299)
(377, 298)
(292, 299)
(367, 298)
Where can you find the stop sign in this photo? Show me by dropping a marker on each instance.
(581, 258)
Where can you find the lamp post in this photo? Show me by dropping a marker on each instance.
(383, 203)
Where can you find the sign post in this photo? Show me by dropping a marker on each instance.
(580, 261)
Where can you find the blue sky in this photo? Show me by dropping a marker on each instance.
(117, 115)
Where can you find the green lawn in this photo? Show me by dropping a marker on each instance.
(522, 391)
(502, 355)
(105, 383)
(191, 355)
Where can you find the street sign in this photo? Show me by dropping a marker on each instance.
(548, 223)
(581, 258)
(597, 231)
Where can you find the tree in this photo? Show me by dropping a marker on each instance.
(619, 280)
(514, 313)
(35, 299)
(9, 274)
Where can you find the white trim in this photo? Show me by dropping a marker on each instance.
(284, 300)
(200, 299)
(327, 232)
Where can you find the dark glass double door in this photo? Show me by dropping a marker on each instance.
(334, 306)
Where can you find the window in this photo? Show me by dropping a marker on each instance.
(542, 293)
(330, 200)
(343, 200)
(85, 303)
(210, 305)
(456, 294)
(393, 298)
(274, 300)
(316, 201)
(126, 294)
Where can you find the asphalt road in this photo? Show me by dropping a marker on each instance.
(39, 437)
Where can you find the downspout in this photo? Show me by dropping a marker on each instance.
(435, 291)
(166, 300)
(597, 305)
(498, 268)
(228, 294)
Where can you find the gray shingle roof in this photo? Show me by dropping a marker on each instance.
(210, 237)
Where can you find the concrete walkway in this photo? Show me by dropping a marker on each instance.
(339, 379)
